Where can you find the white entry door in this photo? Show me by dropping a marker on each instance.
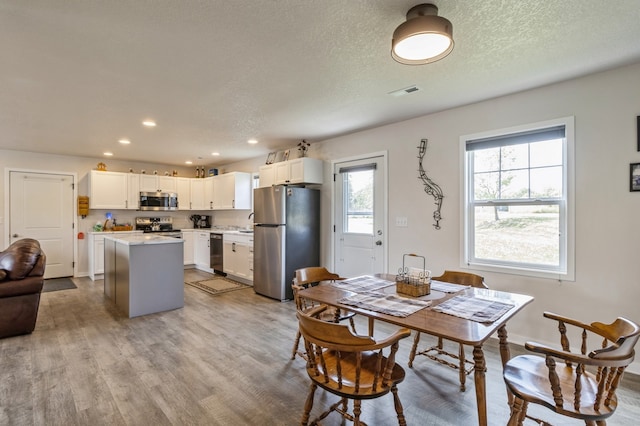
(41, 207)
(360, 217)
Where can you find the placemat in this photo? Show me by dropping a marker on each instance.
(447, 287)
(474, 308)
(363, 284)
(389, 304)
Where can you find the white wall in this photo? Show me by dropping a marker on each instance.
(605, 107)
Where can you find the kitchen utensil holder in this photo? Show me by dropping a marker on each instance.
(411, 284)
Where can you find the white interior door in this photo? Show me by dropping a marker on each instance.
(360, 217)
(41, 207)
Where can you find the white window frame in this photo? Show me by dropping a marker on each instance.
(567, 206)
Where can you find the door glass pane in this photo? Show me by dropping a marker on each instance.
(358, 193)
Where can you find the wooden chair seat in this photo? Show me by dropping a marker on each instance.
(577, 385)
(438, 352)
(349, 366)
(304, 278)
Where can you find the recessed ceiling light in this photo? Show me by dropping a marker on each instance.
(149, 123)
(252, 141)
(108, 154)
(215, 153)
(124, 141)
(188, 162)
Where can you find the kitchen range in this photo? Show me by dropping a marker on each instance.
(158, 225)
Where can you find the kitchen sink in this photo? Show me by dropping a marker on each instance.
(246, 231)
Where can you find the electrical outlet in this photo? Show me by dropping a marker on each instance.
(402, 221)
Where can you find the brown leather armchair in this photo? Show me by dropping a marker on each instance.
(22, 267)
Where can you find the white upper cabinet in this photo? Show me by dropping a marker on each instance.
(197, 194)
(208, 193)
(301, 170)
(133, 193)
(232, 191)
(153, 183)
(108, 190)
(183, 189)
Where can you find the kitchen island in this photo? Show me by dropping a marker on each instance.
(143, 273)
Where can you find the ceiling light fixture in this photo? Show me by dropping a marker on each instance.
(108, 154)
(124, 141)
(215, 153)
(149, 123)
(188, 162)
(252, 141)
(424, 38)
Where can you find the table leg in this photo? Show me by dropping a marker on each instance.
(479, 378)
(505, 355)
(371, 320)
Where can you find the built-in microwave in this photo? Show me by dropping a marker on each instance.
(158, 201)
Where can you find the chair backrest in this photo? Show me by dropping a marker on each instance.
(463, 278)
(352, 363)
(314, 274)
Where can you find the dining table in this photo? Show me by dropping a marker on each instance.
(432, 319)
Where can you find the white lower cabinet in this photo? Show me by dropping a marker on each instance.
(96, 252)
(189, 246)
(202, 254)
(238, 256)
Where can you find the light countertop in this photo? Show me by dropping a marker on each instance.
(142, 239)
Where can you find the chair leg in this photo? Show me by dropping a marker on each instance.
(308, 405)
(463, 373)
(414, 349)
(296, 345)
(516, 413)
(398, 405)
(357, 410)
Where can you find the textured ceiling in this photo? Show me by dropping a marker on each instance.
(78, 75)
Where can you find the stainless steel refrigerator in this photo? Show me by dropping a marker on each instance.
(286, 237)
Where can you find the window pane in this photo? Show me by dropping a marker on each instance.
(359, 202)
(547, 153)
(486, 186)
(515, 157)
(521, 234)
(546, 182)
(515, 184)
(486, 160)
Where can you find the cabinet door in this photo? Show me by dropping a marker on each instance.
(98, 256)
(267, 175)
(223, 191)
(197, 194)
(229, 256)
(183, 189)
(149, 183)
(133, 193)
(242, 266)
(189, 246)
(208, 193)
(167, 184)
(107, 190)
(202, 255)
(282, 172)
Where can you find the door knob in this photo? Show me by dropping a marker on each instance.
(15, 235)
(379, 243)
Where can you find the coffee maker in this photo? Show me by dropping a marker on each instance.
(201, 221)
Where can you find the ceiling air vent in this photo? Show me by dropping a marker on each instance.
(405, 91)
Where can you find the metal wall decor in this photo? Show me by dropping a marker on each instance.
(430, 187)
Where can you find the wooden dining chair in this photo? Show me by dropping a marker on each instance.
(583, 385)
(304, 278)
(437, 352)
(350, 366)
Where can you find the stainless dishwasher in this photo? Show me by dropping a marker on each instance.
(215, 249)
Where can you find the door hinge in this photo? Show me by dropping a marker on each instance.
(73, 186)
(334, 177)
(73, 264)
(334, 228)
(73, 226)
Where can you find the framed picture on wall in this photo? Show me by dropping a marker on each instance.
(634, 177)
(638, 131)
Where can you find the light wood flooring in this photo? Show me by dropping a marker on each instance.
(221, 360)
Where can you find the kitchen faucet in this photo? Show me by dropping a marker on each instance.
(250, 214)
